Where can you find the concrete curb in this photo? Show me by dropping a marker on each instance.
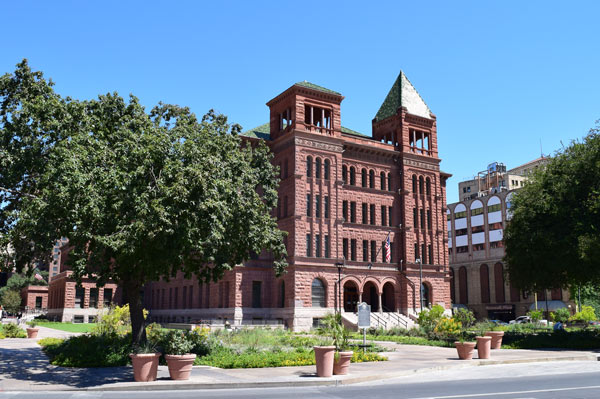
(333, 381)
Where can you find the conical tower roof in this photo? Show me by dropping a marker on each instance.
(403, 94)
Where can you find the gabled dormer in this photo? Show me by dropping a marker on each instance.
(305, 107)
(405, 120)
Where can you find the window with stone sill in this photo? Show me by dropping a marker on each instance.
(345, 174)
(352, 212)
(318, 168)
(382, 180)
(364, 177)
(352, 176)
(461, 232)
(371, 179)
(353, 249)
(365, 248)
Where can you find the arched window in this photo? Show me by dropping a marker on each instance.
(309, 166)
(428, 186)
(382, 180)
(425, 295)
(282, 294)
(326, 169)
(484, 282)
(364, 177)
(371, 179)
(414, 183)
(462, 285)
(352, 176)
(452, 295)
(318, 293)
(499, 282)
(389, 181)
(345, 174)
(420, 184)
(318, 168)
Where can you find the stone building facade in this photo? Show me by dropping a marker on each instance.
(342, 195)
(35, 297)
(475, 247)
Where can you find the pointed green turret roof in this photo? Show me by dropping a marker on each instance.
(403, 94)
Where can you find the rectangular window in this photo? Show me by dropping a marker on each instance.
(353, 212)
(353, 249)
(309, 205)
(345, 248)
(477, 229)
(257, 294)
(345, 210)
(478, 247)
(422, 214)
(429, 224)
(476, 211)
(383, 215)
(326, 207)
(415, 218)
(373, 251)
(318, 245)
(317, 206)
(461, 232)
(417, 252)
(93, 297)
(372, 212)
(79, 297)
(383, 251)
(462, 250)
(423, 254)
(326, 246)
(308, 245)
(390, 216)
(38, 302)
(365, 215)
(430, 249)
(391, 252)
(460, 215)
(365, 248)
(494, 208)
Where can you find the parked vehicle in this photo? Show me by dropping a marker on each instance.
(520, 320)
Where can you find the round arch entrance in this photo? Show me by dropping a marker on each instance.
(388, 298)
(350, 296)
(370, 296)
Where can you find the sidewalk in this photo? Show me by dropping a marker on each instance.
(23, 367)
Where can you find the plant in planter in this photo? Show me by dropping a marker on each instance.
(325, 353)
(144, 360)
(453, 329)
(496, 333)
(177, 349)
(32, 330)
(340, 335)
(484, 343)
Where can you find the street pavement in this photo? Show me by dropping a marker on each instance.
(24, 367)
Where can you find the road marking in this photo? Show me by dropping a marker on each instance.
(478, 395)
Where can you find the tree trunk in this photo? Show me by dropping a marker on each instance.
(131, 294)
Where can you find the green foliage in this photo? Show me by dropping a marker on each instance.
(69, 327)
(448, 328)
(465, 317)
(332, 328)
(140, 195)
(429, 318)
(116, 321)
(11, 330)
(587, 314)
(11, 301)
(89, 351)
(177, 342)
(2, 336)
(33, 323)
(552, 239)
(144, 348)
(536, 315)
(17, 281)
(560, 315)
(588, 339)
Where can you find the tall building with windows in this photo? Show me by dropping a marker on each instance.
(342, 195)
(475, 247)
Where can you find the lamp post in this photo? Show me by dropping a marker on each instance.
(418, 261)
(340, 266)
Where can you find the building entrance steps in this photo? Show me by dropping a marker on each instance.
(24, 367)
(384, 320)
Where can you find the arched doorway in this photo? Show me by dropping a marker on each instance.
(425, 295)
(350, 296)
(370, 296)
(388, 298)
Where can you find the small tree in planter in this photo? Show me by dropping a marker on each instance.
(496, 333)
(32, 330)
(339, 334)
(144, 360)
(465, 347)
(177, 354)
(484, 343)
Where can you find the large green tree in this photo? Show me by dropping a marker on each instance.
(140, 195)
(553, 238)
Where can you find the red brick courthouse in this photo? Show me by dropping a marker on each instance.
(342, 194)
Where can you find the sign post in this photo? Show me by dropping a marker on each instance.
(364, 321)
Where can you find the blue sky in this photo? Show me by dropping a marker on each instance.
(500, 76)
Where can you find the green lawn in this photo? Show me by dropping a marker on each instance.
(69, 327)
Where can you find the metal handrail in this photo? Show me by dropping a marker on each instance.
(399, 320)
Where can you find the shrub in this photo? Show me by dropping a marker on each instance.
(177, 342)
(11, 330)
(11, 301)
(587, 314)
(114, 322)
(536, 315)
(560, 315)
(448, 328)
(429, 318)
(465, 317)
(88, 350)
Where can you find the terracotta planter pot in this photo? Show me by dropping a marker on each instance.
(180, 366)
(342, 363)
(465, 350)
(32, 332)
(324, 359)
(496, 338)
(484, 346)
(145, 366)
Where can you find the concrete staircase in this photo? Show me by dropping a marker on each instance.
(385, 320)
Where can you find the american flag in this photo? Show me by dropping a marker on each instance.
(388, 252)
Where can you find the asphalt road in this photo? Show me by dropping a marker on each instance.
(540, 380)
